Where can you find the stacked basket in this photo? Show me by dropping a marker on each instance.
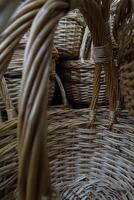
(69, 34)
(13, 75)
(60, 156)
(78, 76)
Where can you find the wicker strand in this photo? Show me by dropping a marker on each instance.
(8, 102)
(33, 164)
(19, 24)
(100, 12)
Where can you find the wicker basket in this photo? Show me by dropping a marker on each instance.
(91, 163)
(124, 25)
(84, 163)
(69, 34)
(88, 164)
(78, 78)
(13, 75)
(9, 152)
(8, 160)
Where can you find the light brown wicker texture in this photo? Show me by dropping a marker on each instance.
(9, 152)
(8, 160)
(33, 157)
(33, 162)
(91, 163)
(12, 52)
(14, 72)
(95, 163)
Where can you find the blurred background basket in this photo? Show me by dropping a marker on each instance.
(69, 34)
(13, 75)
(124, 28)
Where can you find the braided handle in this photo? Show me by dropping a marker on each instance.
(19, 24)
(33, 162)
(10, 38)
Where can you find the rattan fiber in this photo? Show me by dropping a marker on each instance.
(84, 163)
(13, 75)
(78, 78)
(32, 130)
(69, 34)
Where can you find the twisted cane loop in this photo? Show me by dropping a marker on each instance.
(19, 24)
(33, 164)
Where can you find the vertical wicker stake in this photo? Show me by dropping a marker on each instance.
(96, 13)
(8, 102)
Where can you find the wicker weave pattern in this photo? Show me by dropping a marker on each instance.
(13, 75)
(92, 164)
(89, 162)
(8, 160)
(127, 85)
(69, 34)
(78, 80)
(126, 40)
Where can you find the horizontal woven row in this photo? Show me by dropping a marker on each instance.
(69, 35)
(78, 78)
(127, 85)
(84, 162)
(13, 75)
(91, 163)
